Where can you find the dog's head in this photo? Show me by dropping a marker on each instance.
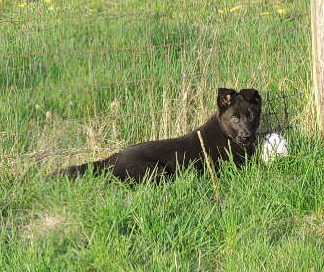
(239, 114)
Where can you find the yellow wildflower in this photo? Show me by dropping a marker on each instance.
(235, 8)
(47, 1)
(51, 8)
(265, 13)
(22, 5)
(221, 11)
(281, 11)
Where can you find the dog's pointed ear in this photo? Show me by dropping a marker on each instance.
(225, 97)
(251, 95)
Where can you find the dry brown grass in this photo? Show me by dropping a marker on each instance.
(307, 120)
(85, 141)
(312, 225)
(58, 221)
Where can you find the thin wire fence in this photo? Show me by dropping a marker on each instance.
(148, 53)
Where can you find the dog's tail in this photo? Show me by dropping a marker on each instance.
(98, 167)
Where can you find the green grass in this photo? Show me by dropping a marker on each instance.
(108, 74)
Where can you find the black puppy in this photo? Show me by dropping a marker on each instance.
(232, 129)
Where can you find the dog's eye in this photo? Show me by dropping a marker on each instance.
(235, 119)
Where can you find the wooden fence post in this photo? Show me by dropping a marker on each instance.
(317, 20)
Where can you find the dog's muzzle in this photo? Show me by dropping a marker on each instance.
(246, 139)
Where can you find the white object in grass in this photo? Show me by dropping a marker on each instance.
(274, 145)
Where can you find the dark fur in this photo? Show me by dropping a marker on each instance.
(232, 129)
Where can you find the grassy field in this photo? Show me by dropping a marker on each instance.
(82, 79)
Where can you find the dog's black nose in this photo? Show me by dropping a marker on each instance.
(247, 136)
